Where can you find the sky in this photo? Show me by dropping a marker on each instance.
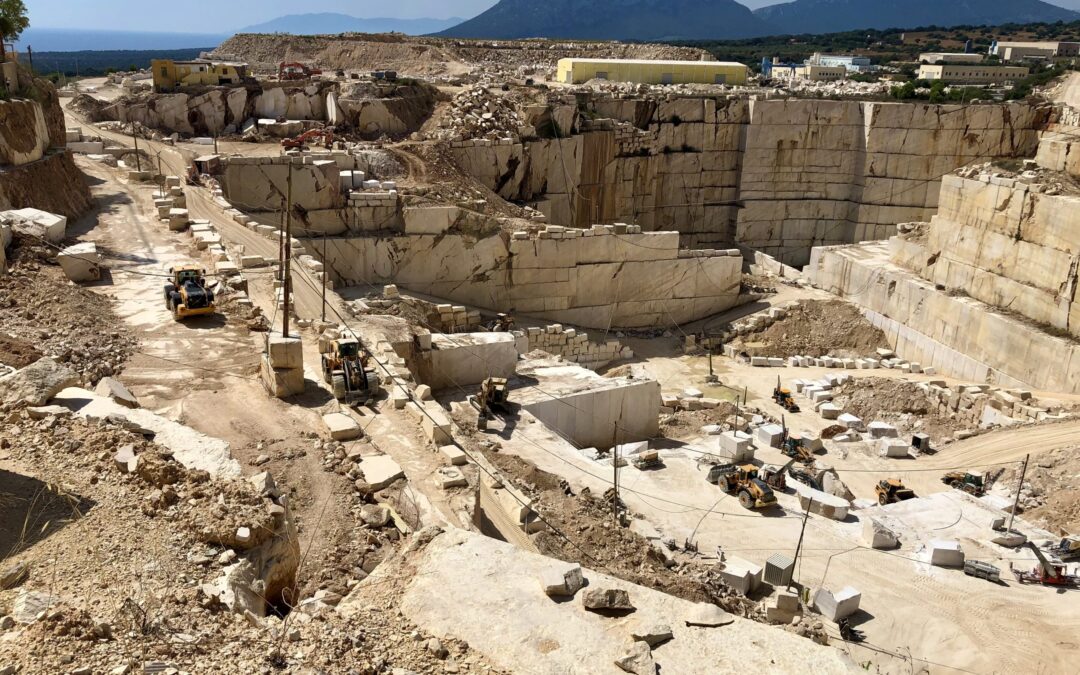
(192, 16)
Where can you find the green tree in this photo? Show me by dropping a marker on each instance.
(13, 20)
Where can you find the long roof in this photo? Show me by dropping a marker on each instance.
(657, 62)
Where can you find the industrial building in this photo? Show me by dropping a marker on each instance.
(643, 71)
(820, 73)
(852, 63)
(943, 57)
(965, 74)
(1012, 52)
(169, 74)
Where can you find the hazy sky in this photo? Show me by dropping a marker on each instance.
(193, 16)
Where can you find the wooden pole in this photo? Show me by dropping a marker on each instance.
(1016, 502)
(286, 277)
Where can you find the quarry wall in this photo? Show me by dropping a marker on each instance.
(778, 175)
(960, 336)
(34, 171)
(596, 280)
(1007, 244)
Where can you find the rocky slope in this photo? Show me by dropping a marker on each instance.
(613, 19)
(828, 16)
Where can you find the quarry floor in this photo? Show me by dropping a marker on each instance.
(914, 615)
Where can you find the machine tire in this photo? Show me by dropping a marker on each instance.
(169, 290)
(745, 500)
(338, 384)
(176, 313)
(372, 383)
(882, 499)
(325, 371)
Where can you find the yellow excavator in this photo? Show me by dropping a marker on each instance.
(187, 295)
(346, 368)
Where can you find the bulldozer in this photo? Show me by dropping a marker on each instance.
(783, 398)
(503, 323)
(346, 368)
(1051, 573)
(743, 481)
(186, 293)
(891, 491)
(971, 483)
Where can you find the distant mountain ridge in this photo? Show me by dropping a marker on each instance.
(830, 16)
(75, 40)
(613, 20)
(329, 23)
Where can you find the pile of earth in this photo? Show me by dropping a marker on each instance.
(816, 328)
(898, 402)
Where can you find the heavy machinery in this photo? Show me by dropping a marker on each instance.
(849, 633)
(743, 481)
(1067, 549)
(347, 368)
(647, 460)
(891, 491)
(293, 70)
(503, 323)
(303, 139)
(970, 482)
(776, 476)
(795, 448)
(187, 295)
(783, 398)
(1051, 573)
(492, 396)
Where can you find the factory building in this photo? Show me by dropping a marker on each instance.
(965, 74)
(1012, 52)
(576, 71)
(946, 58)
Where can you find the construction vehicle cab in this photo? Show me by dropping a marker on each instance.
(969, 482)
(891, 491)
(1067, 549)
(982, 570)
(743, 481)
(186, 294)
(784, 399)
(503, 323)
(346, 368)
(647, 460)
(776, 476)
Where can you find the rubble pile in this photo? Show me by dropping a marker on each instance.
(477, 113)
(40, 306)
(1051, 494)
(811, 328)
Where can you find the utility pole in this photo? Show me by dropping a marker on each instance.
(215, 143)
(615, 465)
(286, 277)
(324, 270)
(798, 547)
(1016, 502)
(135, 138)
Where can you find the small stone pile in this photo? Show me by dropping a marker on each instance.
(477, 113)
(574, 346)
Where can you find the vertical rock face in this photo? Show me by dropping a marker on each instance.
(780, 175)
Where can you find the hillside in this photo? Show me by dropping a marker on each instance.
(331, 23)
(826, 16)
(613, 20)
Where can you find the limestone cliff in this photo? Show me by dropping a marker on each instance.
(778, 175)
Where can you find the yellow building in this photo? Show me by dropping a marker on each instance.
(964, 74)
(169, 75)
(576, 71)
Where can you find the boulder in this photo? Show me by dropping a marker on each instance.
(341, 426)
(834, 606)
(375, 515)
(638, 660)
(30, 606)
(80, 262)
(606, 599)
(125, 459)
(114, 389)
(37, 383)
(878, 535)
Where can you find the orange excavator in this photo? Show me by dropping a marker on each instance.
(303, 139)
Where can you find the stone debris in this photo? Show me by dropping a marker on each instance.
(31, 606)
(114, 389)
(652, 634)
(562, 583)
(606, 599)
(709, 616)
(638, 659)
(37, 383)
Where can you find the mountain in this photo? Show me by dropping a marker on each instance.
(329, 23)
(74, 40)
(613, 20)
(830, 16)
